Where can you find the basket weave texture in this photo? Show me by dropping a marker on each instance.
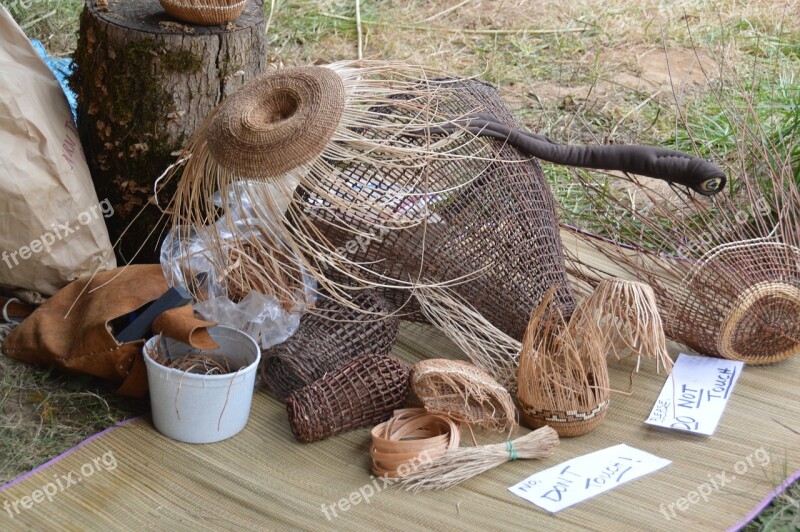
(464, 392)
(494, 234)
(326, 339)
(741, 304)
(204, 12)
(363, 392)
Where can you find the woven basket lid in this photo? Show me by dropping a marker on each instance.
(277, 121)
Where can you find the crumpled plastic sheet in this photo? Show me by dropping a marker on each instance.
(259, 315)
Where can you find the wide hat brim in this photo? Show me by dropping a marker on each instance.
(277, 122)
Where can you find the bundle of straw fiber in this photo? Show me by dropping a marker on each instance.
(625, 313)
(327, 338)
(563, 373)
(463, 463)
(725, 270)
(465, 393)
(411, 437)
(362, 392)
(204, 12)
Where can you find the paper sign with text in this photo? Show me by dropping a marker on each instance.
(586, 476)
(695, 394)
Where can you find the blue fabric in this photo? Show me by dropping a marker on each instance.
(61, 68)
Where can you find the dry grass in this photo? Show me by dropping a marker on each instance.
(42, 414)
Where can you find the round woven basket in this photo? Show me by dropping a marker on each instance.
(204, 12)
(741, 303)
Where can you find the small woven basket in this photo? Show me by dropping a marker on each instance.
(204, 12)
(563, 374)
(328, 338)
(465, 393)
(567, 423)
(365, 391)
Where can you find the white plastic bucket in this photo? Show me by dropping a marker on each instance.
(195, 408)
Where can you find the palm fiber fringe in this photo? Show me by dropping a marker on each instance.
(463, 463)
(563, 375)
(347, 176)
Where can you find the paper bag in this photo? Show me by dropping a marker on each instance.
(52, 226)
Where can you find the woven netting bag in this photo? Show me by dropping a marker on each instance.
(491, 231)
(355, 184)
(327, 338)
(741, 302)
(379, 174)
(363, 392)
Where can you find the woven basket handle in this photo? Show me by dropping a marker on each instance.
(669, 165)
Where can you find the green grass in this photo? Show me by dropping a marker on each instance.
(782, 514)
(44, 413)
(54, 22)
(767, 105)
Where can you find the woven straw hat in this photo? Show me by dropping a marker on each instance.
(277, 121)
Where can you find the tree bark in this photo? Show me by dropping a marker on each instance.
(145, 82)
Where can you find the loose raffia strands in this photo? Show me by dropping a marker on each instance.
(338, 165)
(326, 339)
(563, 374)
(464, 463)
(363, 392)
(464, 392)
(487, 347)
(200, 363)
(412, 437)
(626, 313)
(249, 261)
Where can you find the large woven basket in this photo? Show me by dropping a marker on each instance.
(204, 12)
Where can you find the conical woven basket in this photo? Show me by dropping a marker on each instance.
(384, 176)
(741, 303)
(563, 374)
(368, 200)
(204, 12)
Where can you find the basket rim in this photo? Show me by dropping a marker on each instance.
(202, 7)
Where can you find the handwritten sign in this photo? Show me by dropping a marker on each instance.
(586, 476)
(695, 394)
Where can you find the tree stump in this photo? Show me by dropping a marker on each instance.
(145, 82)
